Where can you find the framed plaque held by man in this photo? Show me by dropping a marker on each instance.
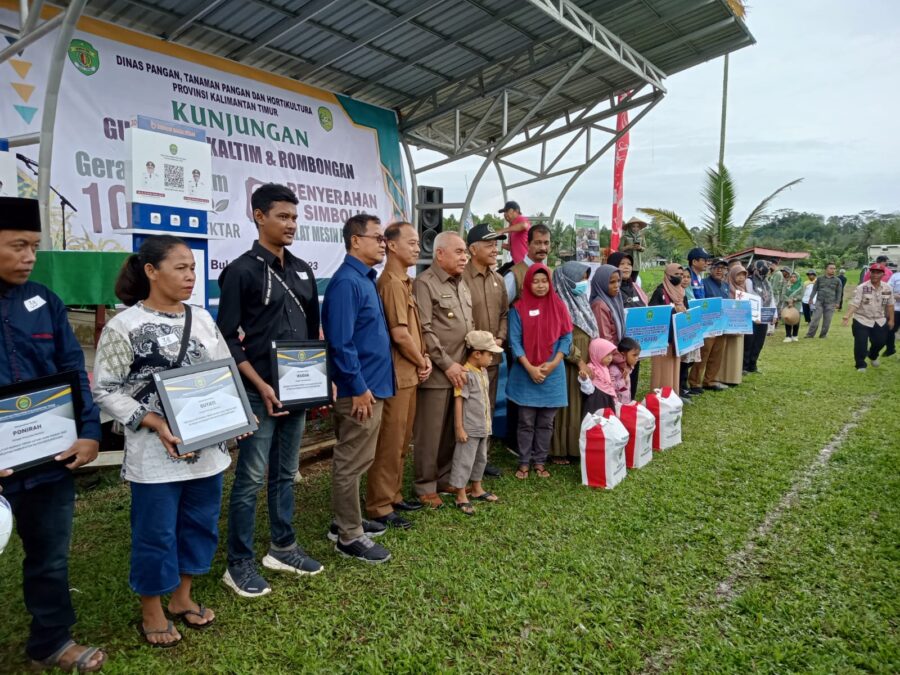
(301, 375)
(39, 419)
(205, 404)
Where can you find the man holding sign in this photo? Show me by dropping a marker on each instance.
(37, 341)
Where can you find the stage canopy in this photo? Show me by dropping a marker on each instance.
(489, 78)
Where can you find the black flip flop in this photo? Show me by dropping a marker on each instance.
(486, 497)
(466, 508)
(159, 645)
(200, 613)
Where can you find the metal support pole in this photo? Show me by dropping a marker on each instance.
(32, 36)
(413, 185)
(518, 127)
(51, 99)
(572, 180)
(30, 17)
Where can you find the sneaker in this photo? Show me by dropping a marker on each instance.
(788, 339)
(860, 370)
(875, 363)
(245, 580)
(795, 339)
(364, 549)
(293, 560)
(370, 529)
(696, 390)
(716, 386)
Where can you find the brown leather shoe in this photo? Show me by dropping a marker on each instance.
(432, 501)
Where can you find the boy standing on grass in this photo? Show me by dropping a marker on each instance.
(472, 415)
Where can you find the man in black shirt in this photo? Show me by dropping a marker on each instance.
(268, 294)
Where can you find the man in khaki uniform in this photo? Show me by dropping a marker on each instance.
(490, 304)
(411, 366)
(445, 312)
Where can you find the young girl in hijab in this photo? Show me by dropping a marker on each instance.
(665, 370)
(753, 343)
(632, 296)
(607, 305)
(598, 387)
(572, 285)
(540, 335)
(630, 350)
(733, 360)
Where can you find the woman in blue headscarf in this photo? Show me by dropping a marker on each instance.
(571, 284)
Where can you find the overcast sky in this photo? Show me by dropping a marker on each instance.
(817, 97)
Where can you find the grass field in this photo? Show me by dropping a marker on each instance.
(744, 549)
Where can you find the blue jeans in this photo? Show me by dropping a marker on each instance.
(174, 531)
(43, 516)
(275, 444)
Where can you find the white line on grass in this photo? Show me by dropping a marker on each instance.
(742, 563)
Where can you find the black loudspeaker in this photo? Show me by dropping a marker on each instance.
(431, 220)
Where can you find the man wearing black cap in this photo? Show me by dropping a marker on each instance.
(37, 341)
(517, 229)
(698, 259)
(490, 302)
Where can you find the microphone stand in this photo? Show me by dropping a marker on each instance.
(33, 166)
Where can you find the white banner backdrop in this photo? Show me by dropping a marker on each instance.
(339, 156)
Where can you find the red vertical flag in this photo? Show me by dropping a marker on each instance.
(618, 177)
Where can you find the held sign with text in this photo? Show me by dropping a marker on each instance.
(650, 327)
(339, 156)
(689, 329)
(738, 317)
(713, 321)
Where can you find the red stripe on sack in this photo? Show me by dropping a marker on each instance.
(628, 415)
(595, 456)
(651, 403)
(666, 392)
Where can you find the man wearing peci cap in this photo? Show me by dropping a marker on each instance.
(517, 229)
(37, 341)
(490, 301)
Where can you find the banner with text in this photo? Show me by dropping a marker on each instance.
(338, 155)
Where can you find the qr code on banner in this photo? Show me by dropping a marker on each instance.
(174, 176)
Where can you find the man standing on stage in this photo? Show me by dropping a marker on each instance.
(359, 358)
(517, 229)
(37, 342)
(412, 365)
(490, 304)
(267, 294)
(445, 310)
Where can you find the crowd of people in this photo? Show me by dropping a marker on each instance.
(415, 363)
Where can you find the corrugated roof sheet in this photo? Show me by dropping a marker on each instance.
(408, 55)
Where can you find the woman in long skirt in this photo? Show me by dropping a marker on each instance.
(733, 360)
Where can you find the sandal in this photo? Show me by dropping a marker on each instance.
(522, 472)
(466, 507)
(541, 471)
(79, 665)
(486, 497)
(159, 645)
(199, 613)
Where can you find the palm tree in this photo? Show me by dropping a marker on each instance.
(718, 235)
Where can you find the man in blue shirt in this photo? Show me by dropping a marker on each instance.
(37, 341)
(698, 260)
(713, 351)
(359, 359)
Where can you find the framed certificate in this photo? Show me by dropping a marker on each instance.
(300, 374)
(204, 404)
(39, 419)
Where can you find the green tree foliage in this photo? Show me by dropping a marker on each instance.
(719, 234)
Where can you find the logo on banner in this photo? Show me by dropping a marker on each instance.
(23, 403)
(173, 149)
(83, 55)
(326, 119)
